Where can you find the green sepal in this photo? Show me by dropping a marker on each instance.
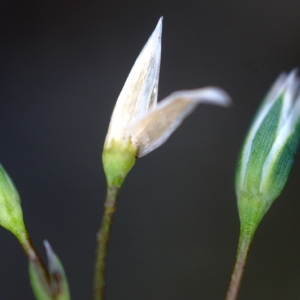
(282, 164)
(260, 147)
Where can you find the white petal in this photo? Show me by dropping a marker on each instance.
(140, 89)
(156, 127)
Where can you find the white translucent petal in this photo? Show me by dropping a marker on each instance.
(156, 127)
(140, 89)
(291, 86)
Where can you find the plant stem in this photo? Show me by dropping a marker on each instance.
(102, 241)
(245, 240)
(38, 273)
(31, 252)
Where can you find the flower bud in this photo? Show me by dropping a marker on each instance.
(51, 284)
(268, 151)
(58, 280)
(39, 279)
(11, 216)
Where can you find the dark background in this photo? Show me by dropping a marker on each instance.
(63, 64)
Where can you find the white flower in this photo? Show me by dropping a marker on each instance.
(137, 118)
(139, 124)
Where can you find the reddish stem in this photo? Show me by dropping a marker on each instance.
(239, 266)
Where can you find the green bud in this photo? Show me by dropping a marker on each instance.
(39, 280)
(268, 153)
(58, 280)
(11, 216)
(51, 284)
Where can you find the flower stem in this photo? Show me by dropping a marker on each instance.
(102, 241)
(31, 252)
(245, 240)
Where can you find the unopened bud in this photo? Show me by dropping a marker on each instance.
(269, 150)
(11, 216)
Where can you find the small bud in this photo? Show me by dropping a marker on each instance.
(39, 279)
(268, 151)
(11, 216)
(58, 280)
(51, 284)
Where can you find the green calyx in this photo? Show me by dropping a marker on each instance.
(252, 208)
(118, 159)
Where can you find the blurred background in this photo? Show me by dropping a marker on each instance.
(63, 64)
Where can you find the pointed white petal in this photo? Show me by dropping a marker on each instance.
(155, 128)
(140, 89)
